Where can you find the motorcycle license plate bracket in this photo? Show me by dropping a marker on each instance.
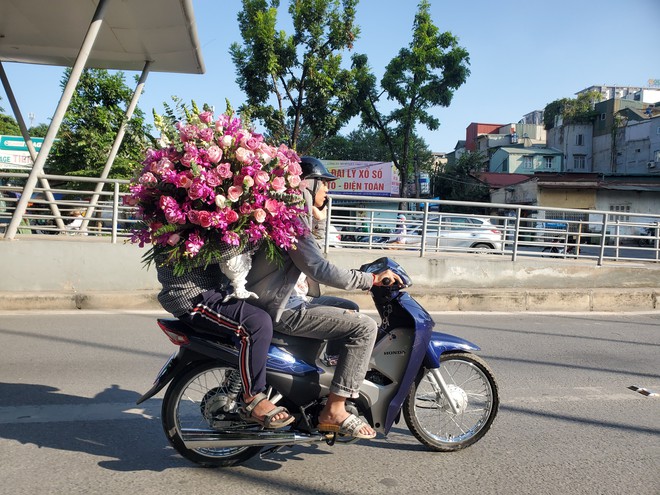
(166, 367)
(160, 382)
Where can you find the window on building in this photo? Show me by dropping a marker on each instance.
(657, 156)
(579, 140)
(528, 162)
(602, 116)
(579, 162)
(547, 161)
(620, 210)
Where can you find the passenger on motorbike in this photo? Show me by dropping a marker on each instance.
(275, 284)
(198, 298)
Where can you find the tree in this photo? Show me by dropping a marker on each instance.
(38, 130)
(295, 83)
(9, 126)
(420, 77)
(458, 182)
(368, 145)
(90, 126)
(579, 110)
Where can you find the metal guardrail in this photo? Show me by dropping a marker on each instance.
(523, 230)
(369, 223)
(82, 209)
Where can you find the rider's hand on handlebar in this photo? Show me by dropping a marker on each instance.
(386, 278)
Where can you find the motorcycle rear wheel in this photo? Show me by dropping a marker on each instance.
(473, 388)
(189, 403)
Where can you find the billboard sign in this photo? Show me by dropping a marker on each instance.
(363, 178)
(14, 154)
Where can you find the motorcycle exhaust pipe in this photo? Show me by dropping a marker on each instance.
(209, 439)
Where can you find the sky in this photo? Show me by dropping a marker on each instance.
(523, 55)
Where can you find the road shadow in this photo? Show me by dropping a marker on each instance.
(127, 442)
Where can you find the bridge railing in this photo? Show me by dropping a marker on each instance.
(432, 226)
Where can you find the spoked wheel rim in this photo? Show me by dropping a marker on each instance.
(472, 394)
(199, 406)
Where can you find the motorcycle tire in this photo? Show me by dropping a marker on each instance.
(190, 402)
(474, 389)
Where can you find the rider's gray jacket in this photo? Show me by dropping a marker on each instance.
(274, 283)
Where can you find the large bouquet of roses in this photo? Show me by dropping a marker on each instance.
(213, 190)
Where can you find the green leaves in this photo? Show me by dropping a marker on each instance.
(295, 82)
(422, 76)
(89, 128)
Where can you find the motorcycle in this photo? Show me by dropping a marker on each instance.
(647, 237)
(447, 396)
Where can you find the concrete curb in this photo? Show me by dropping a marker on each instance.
(578, 300)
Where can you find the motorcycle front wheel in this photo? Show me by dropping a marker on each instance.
(473, 389)
(196, 400)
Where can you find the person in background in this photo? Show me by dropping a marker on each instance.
(400, 230)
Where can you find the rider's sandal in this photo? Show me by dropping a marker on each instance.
(267, 421)
(349, 428)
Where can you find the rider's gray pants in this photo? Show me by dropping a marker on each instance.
(353, 332)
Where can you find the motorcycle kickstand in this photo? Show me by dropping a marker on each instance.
(272, 451)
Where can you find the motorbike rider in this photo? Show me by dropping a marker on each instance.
(198, 298)
(275, 284)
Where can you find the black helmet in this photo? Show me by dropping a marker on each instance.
(313, 168)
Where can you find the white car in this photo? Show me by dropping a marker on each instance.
(451, 231)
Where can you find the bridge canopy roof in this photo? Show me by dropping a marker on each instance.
(51, 32)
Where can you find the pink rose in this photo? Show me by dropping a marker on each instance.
(188, 158)
(259, 215)
(248, 181)
(278, 184)
(294, 180)
(294, 168)
(204, 218)
(244, 155)
(206, 117)
(224, 170)
(261, 178)
(183, 180)
(148, 179)
(234, 193)
(231, 216)
(206, 134)
(196, 190)
(213, 179)
(187, 133)
(272, 205)
(215, 154)
(252, 143)
(245, 209)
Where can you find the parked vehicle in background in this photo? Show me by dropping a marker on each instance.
(648, 237)
(334, 238)
(452, 231)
